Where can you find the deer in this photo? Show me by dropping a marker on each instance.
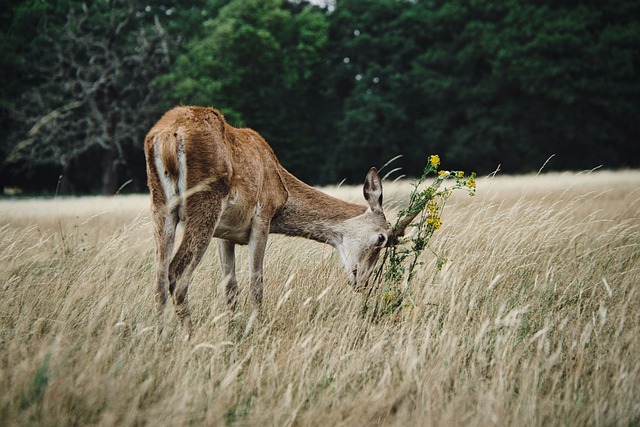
(224, 182)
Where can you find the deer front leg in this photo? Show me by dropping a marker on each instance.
(226, 250)
(257, 246)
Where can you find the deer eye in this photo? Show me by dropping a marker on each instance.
(381, 239)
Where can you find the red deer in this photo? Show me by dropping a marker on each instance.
(225, 182)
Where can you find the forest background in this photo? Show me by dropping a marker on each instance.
(334, 88)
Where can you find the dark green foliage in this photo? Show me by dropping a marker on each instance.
(261, 63)
(333, 91)
(488, 83)
(85, 103)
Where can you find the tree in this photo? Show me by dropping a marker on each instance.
(333, 91)
(261, 63)
(372, 50)
(512, 83)
(90, 100)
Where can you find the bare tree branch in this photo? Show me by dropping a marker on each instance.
(96, 91)
(52, 116)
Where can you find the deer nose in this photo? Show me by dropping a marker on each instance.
(361, 286)
(353, 277)
(358, 284)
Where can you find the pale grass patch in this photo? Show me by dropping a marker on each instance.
(534, 321)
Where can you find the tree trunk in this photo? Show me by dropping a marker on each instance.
(109, 172)
(65, 185)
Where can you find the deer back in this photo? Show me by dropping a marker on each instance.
(198, 150)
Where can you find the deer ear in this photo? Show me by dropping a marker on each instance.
(373, 190)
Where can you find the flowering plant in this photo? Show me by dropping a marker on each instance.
(424, 213)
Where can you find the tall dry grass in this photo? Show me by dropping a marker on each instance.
(534, 322)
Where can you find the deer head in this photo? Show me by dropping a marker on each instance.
(364, 236)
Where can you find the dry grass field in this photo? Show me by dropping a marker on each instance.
(535, 321)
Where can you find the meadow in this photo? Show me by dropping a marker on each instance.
(534, 321)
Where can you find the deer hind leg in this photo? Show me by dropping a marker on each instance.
(226, 250)
(203, 211)
(165, 223)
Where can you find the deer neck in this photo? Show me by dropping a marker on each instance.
(312, 214)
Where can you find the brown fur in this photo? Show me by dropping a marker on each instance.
(230, 185)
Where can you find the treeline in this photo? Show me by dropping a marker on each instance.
(334, 89)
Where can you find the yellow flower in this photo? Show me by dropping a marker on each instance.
(433, 208)
(443, 173)
(442, 262)
(460, 174)
(434, 160)
(471, 183)
(434, 221)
